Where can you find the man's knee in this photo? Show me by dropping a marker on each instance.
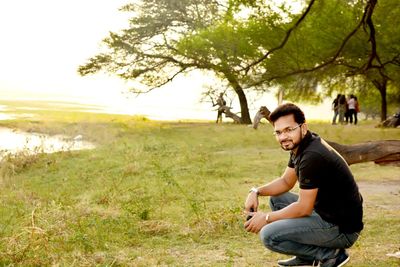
(271, 235)
(266, 237)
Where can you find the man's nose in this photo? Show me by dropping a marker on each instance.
(283, 137)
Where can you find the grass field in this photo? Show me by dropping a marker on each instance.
(165, 194)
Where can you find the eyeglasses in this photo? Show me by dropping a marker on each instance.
(288, 130)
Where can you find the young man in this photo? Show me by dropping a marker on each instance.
(335, 108)
(325, 218)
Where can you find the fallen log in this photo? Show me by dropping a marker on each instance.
(229, 114)
(382, 152)
(393, 121)
(263, 112)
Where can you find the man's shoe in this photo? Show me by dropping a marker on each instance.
(296, 261)
(340, 260)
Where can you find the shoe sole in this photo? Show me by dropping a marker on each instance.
(280, 265)
(298, 265)
(343, 263)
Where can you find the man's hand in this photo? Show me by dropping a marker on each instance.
(257, 222)
(251, 203)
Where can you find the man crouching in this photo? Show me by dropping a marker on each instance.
(325, 218)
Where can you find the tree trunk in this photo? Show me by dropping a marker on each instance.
(244, 108)
(381, 152)
(382, 87)
(263, 112)
(384, 103)
(280, 96)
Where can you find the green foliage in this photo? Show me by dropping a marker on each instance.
(334, 41)
(146, 50)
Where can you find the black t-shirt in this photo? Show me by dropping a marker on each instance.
(335, 103)
(338, 201)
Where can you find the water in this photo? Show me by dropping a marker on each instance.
(6, 117)
(13, 141)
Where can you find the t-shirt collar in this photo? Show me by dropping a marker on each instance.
(303, 144)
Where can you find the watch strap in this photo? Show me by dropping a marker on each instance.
(255, 190)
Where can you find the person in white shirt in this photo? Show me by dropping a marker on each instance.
(352, 109)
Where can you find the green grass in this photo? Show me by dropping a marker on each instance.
(168, 194)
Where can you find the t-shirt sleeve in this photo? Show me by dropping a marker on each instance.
(311, 170)
(290, 163)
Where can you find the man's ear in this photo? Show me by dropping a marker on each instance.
(304, 129)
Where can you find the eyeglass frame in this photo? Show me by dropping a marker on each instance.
(288, 130)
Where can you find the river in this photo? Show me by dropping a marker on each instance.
(13, 141)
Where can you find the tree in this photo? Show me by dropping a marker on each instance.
(369, 99)
(330, 42)
(334, 40)
(146, 51)
(170, 37)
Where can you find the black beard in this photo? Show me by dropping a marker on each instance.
(295, 145)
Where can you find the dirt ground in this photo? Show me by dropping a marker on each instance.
(378, 187)
(386, 190)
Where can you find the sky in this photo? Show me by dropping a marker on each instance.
(44, 42)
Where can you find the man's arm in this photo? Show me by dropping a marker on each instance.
(276, 187)
(301, 208)
(280, 185)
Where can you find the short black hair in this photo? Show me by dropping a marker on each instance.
(288, 109)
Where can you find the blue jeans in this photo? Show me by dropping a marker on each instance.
(310, 238)
(335, 115)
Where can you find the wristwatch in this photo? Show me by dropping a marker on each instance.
(267, 218)
(255, 190)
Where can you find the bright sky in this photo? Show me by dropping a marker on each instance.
(44, 42)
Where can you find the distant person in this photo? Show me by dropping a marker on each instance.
(347, 114)
(325, 218)
(357, 110)
(352, 109)
(335, 108)
(342, 108)
(221, 103)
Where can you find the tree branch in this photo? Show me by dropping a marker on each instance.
(368, 11)
(158, 85)
(395, 61)
(284, 41)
